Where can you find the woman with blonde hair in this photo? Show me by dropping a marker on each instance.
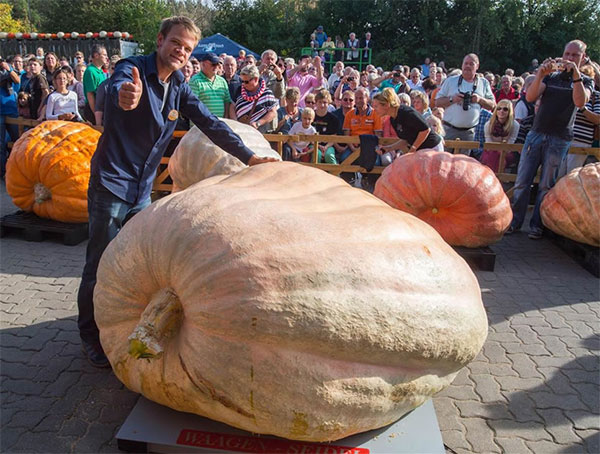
(503, 128)
(412, 130)
(420, 102)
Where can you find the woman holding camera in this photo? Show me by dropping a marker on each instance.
(348, 82)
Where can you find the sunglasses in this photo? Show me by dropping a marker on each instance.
(309, 102)
(505, 109)
(246, 81)
(347, 99)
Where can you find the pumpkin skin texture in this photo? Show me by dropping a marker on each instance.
(291, 304)
(572, 207)
(460, 197)
(48, 170)
(197, 157)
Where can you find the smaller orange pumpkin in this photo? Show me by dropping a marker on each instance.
(572, 207)
(48, 170)
(458, 196)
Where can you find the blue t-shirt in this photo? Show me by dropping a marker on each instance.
(8, 100)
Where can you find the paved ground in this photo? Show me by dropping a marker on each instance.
(535, 387)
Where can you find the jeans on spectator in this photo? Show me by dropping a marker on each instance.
(107, 215)
(13, 132)
(544, 149)
(286, 154)
(344, 154)
(465, 135)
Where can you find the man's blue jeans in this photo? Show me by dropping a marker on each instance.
(544, 149)
(107, 214)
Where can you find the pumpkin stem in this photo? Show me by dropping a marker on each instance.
(41, 192)
(160, 321)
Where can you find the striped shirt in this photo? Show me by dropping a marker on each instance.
(583, 129)
(214, 94)
(264, 105)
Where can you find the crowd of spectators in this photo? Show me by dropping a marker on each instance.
(421, 106)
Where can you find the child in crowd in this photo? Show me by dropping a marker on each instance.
(23, 104)
(62, 103)
(438, 112)
(301, 151)
(436, 125)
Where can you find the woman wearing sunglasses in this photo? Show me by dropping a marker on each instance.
(503, 128)
(256, 105)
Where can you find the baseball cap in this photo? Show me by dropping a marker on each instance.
(211, 57)
(320, 27)
(398, 68)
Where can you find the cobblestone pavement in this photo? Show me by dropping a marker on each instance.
(535, 387)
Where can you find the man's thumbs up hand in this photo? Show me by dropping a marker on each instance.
(131, 92)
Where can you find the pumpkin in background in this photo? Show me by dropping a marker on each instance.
(460, 197)
(48, 170)
(572, 207)
(197, 157)
(281, 300)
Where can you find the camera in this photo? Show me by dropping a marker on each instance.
(397, 74)
(466, 99)
(350, 79)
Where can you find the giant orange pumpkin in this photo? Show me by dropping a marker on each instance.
(48, 170)
(572, 207)
(461, 198)
(281, 300)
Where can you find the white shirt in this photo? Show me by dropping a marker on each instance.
(59, 104)
(454, 113)
(298, 129)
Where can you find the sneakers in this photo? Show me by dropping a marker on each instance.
(94, 354)
(535, 234)
(511, 230)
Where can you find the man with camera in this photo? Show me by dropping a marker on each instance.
(298, 76)
(463, 96)
(561, 89)
(271, 73)
(394, 79)
(9, 85)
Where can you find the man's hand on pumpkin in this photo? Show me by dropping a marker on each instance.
(255, 159)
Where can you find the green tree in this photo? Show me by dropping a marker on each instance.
(7, 22)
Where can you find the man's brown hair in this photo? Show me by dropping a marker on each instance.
(167, 24)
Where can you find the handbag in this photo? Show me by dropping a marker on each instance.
(247, 117)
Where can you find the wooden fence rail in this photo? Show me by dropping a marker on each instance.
(161, 183)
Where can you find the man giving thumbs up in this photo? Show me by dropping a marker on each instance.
(144, 98)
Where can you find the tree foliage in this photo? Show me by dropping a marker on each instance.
(7, 22)
(505, 33)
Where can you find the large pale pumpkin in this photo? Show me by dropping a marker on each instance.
(460, 197)
(572, 207)
(197, 157)
(48, 170)
(281, 300)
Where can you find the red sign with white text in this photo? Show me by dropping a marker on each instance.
(241, 443)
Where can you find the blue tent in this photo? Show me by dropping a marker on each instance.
(219, 44)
